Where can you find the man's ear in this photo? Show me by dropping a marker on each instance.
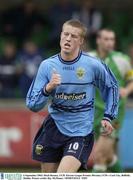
(82, 41)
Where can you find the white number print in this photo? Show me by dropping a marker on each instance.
(74, 146)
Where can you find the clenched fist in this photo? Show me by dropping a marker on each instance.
(55, 81)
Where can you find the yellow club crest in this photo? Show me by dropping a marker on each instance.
(80, 72)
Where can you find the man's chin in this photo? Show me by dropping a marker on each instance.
(66, 52)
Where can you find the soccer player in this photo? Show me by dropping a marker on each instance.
(65, 140)
(119, 63)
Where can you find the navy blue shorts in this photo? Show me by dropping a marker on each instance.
(50, 145)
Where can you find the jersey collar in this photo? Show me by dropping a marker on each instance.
(70, 62)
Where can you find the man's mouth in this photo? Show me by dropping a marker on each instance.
(67, 45)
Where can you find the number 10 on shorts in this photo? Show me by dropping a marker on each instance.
(74, 146)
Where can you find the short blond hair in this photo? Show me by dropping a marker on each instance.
(77, 24)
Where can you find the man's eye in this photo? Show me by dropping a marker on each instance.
(66, 34)
(74, 36)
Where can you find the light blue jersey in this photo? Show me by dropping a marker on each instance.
(72, 106)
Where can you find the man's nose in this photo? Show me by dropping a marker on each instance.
(68, 37)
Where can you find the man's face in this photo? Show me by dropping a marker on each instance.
(106, 41)
(71, 39)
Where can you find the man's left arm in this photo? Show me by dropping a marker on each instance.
(108, 86)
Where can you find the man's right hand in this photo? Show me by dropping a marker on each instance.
(54, 82)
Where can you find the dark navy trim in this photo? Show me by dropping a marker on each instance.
(73, 109)
(77, 83)
(107, 120)
(44, 92)
(72, 61)
(108, 117)
(114, 99)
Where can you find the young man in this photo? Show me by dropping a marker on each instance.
(65, 140)
(119, 63)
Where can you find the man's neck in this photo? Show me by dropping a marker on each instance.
(68, 56)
